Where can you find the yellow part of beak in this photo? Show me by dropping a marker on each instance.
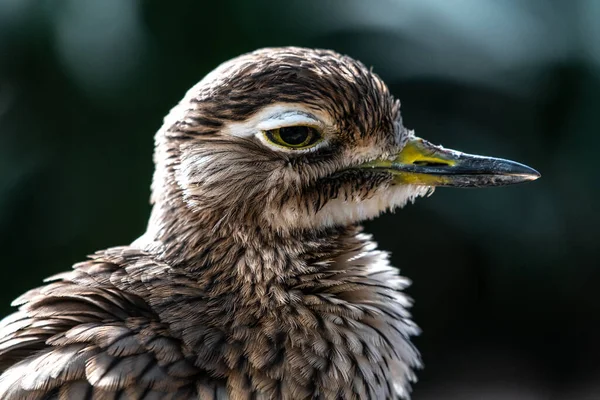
(422, 163)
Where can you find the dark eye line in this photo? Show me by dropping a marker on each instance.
(321, 154)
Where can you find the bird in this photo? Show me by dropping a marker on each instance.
(254, 278)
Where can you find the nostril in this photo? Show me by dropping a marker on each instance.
(429, 163)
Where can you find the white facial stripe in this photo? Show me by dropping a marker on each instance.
(290, 118)
(277, 116)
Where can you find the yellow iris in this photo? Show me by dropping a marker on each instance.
(295, 137)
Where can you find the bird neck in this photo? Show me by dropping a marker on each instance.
(250, 268)
(199, 242)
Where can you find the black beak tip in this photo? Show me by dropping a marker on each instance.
(527, 173)
(535, 174)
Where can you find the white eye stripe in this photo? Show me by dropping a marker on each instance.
(293, 118)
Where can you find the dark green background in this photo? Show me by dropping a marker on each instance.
(506, 280)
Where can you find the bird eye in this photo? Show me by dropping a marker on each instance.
(296, 137)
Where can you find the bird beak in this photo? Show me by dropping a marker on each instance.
(422, 163)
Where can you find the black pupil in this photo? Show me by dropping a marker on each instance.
(294, 135)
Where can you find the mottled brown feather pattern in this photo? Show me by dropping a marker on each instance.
(235, 291)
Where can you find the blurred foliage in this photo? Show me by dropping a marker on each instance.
(506, 280)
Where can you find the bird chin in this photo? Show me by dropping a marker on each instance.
(343, 212)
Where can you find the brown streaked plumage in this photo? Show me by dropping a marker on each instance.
(253, 279)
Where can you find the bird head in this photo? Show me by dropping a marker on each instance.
(293, 138)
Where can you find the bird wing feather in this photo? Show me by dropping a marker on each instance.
(82, 336)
